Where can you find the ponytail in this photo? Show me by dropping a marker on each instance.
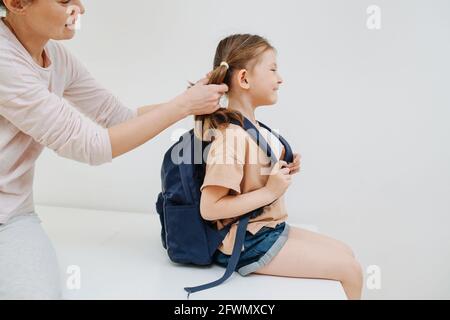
(222, 117)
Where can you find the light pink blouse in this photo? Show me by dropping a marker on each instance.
(37, 111)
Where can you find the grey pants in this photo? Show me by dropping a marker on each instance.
(28, 264)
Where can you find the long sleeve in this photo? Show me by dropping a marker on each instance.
(89, 97)
(49, 119)
(35, 115)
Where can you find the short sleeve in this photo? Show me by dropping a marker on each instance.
(225, 161)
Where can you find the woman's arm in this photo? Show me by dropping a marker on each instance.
(199, 99)
(216, 202)
(87, 95)
(150, 122)
(145, 109)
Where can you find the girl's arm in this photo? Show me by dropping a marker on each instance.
(216, 202)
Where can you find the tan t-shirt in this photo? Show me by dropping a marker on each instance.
(236, 162)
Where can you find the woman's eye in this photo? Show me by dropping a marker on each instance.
(66, 2)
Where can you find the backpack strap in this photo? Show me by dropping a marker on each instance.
(288, 155)
(232, 263)
(243, 221)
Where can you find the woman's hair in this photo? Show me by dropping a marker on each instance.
(239, 51)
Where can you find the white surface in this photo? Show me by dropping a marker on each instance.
(368, 110)
(120, 256)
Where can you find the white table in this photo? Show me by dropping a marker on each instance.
(118, 255)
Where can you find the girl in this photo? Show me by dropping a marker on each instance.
(235, 183)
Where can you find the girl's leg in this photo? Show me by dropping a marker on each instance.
(301, 233)
(310, 257)
(28, 263)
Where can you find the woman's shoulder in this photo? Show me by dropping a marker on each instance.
(11, 55)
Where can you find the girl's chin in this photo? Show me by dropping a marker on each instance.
(268, 103)
(274, 98)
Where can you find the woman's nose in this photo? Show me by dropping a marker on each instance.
(80, 5)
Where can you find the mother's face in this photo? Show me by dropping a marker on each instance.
(52, 19)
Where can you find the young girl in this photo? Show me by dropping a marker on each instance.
(239, 177)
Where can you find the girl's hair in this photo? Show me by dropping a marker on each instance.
(239, 51)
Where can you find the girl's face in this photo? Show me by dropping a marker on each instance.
(264, 80)
(53, 19)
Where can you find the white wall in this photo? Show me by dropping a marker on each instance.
(367, 109)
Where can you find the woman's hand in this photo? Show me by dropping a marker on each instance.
(295, 165)
(279, 179)
(201, 98)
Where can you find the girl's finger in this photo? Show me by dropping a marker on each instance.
(283, 163)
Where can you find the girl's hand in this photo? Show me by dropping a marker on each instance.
(295, 165)
(201, 98)
(279, 179)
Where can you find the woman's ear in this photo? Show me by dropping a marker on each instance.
(17, 6)
(243, 79)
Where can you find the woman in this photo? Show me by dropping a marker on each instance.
(36, 73)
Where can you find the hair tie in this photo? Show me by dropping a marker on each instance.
(223, 63)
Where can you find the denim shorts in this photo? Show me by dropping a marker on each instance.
(259, 249)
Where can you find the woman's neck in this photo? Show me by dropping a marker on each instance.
(32, 43)
(244, 106)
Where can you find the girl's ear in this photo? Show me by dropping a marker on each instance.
(243, 79)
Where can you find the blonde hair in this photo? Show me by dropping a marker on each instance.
(239, 51)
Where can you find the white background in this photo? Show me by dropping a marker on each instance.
(367, 109)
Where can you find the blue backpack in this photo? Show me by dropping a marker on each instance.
(187, 237)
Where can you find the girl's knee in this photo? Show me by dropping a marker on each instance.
(355, 271)
(351, 271)
(347, 248)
